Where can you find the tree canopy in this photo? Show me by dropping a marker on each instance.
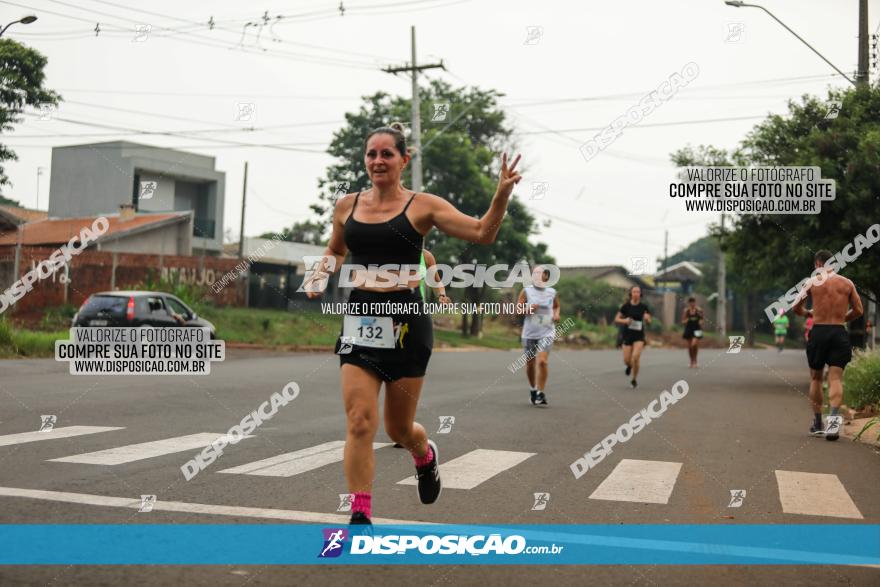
(771, 253)
(21, 84)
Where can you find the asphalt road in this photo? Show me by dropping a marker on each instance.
(744, 418)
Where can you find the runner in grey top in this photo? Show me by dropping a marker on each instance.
(538, 331)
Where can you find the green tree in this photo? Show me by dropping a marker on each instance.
(21, 84)
(461, 163)
(770, 253)
(589, 299)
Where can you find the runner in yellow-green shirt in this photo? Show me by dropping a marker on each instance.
(780, 328)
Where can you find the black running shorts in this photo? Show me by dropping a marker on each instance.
(414, 336)
(630, 337)
(828, 345)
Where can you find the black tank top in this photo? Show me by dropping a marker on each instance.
(378, 243)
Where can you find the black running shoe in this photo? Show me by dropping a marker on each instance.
(832, 427)
(817, 430)
(534, 395)
(634, 383)
(541, 399)
(628, 370)
(428, 477)
(358, 518)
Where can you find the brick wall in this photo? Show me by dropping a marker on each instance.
(94, 271)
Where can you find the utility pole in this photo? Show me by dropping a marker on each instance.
(247, 271)
(665, 254)
(416, 123)
(862, 74)
(243, 201)
(721, 308)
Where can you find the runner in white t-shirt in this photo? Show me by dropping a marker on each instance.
(538, 331)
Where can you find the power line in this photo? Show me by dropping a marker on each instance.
(178, 134)
(207, 41)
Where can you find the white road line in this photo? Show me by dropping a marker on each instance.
(815, 494)
(475, 467)
(63, 432)
(639, 481)
(143, 450)
(300, 461)
(190, 508)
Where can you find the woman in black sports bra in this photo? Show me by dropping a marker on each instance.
(386, 225)
(692, 318)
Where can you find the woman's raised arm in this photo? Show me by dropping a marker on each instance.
(482, 231)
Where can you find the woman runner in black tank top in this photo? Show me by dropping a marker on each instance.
(692, 318)
(383, 225)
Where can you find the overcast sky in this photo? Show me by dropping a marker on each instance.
(310, 67)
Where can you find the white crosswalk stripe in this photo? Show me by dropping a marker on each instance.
(54, 434)
(300, 461)
(143, 450)
(476, 467)
(639, 481)
(815, 494)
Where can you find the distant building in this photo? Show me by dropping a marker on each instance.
(160, 234)
(613, 275)
(96, 179)
(680, 277)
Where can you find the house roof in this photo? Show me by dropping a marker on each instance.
(684, 270)
(600, 271)
(19, 215)
(55, 231)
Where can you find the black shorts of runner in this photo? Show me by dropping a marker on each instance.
(413, 331)
(630, 337)
(690, 333)
(828, 345)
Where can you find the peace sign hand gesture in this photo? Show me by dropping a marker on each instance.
(509, 177)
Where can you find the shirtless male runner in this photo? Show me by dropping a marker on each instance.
(835, 302)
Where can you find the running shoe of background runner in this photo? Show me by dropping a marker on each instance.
(533, 393)
(428, 477)
(814, 431)
(359, 518)
(541, 399)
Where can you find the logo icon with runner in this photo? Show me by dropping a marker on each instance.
(541, 501)
(736, 32)
(533, 35)
(446, 423)
(334, 538)
(148, 188)
(341, 190)
(736, 343)
(441, 111)
(345, 501)
(638, 265)
(737, 496)
(147, 503)
(47, 423)
(832, 109)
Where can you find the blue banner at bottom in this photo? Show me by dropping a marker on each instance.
(271, 544)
